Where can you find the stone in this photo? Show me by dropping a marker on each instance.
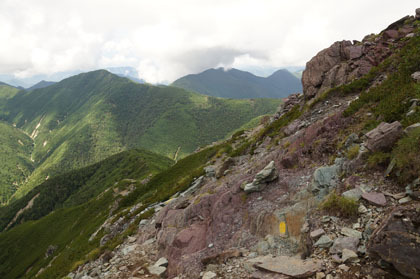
(383, 137)
(341, 243)
(344, 267)
(128, 249)
(329, 276)
(317, 233)
(418, 13)
(351, 139)
(210, 171)
(261, 179)
(50, 250)
(416, 76)
(131, 239)
(353, 194)
(194, 186)
(362, 209)
(323, 242)
(391, 34)
(405, 200)
(396, 240)
(320, 275)
(162, 262)
(262, 247)
(209, 275)
(294, 267)
(349, 256)
(156, 270)
(324, 179)
(411, 128)
(375, 198)
(351, 233)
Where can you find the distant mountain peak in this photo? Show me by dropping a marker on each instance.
(238, 84)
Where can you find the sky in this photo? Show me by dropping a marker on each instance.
(165, 40)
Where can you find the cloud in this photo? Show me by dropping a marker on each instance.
(164, 40)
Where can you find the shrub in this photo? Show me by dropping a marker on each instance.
(378, 159)
(353, 151)
(338, 205)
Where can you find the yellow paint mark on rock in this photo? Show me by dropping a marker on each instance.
(282, 228)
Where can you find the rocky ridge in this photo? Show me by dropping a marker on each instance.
(260, 215)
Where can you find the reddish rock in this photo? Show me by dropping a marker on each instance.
(191, 239)
(383, 137)
(375, 198)
(396, 241)
(391, 34)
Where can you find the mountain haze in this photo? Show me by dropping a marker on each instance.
(238, 84)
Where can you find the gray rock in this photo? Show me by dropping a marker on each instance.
(162, 262)
(323, 242)
(404, 200)
(294, 267)
(354, 194)
(362, 209)
(209, 275)
(156, 270)
(261, 179)
(317, 233)
(416, 76)
(263, 247)
(210, 171)
(349, 256)
(344, 243)
(351, 233)
(412, 127)
(196, 184)
(352, 138)
(325, 179)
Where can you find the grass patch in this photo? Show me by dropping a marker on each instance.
(341, 206)
(407, 156)
(352, 152)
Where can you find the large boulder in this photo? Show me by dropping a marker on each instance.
(396, 240)
(383, 137)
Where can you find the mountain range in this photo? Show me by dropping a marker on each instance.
(88, 117)
(238, 84)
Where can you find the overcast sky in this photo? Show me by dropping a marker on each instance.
(164, 40)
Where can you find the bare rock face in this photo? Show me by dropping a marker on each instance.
(396, 241)
(344, 61)
(384, 136)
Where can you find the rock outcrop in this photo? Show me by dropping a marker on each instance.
(383, 137)
(345, 61)
(396, 241)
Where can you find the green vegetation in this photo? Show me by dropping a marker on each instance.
(89, 117)
(377, 159)
(389, 101)
(72, 222)
(407, 156)
(352, 152)
(338, 205)
(78, 186)
(238, 84)
(15, 163)
(6, 92)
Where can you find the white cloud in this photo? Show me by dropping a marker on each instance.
(167, 39)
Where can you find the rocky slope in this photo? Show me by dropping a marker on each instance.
(328, 187)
